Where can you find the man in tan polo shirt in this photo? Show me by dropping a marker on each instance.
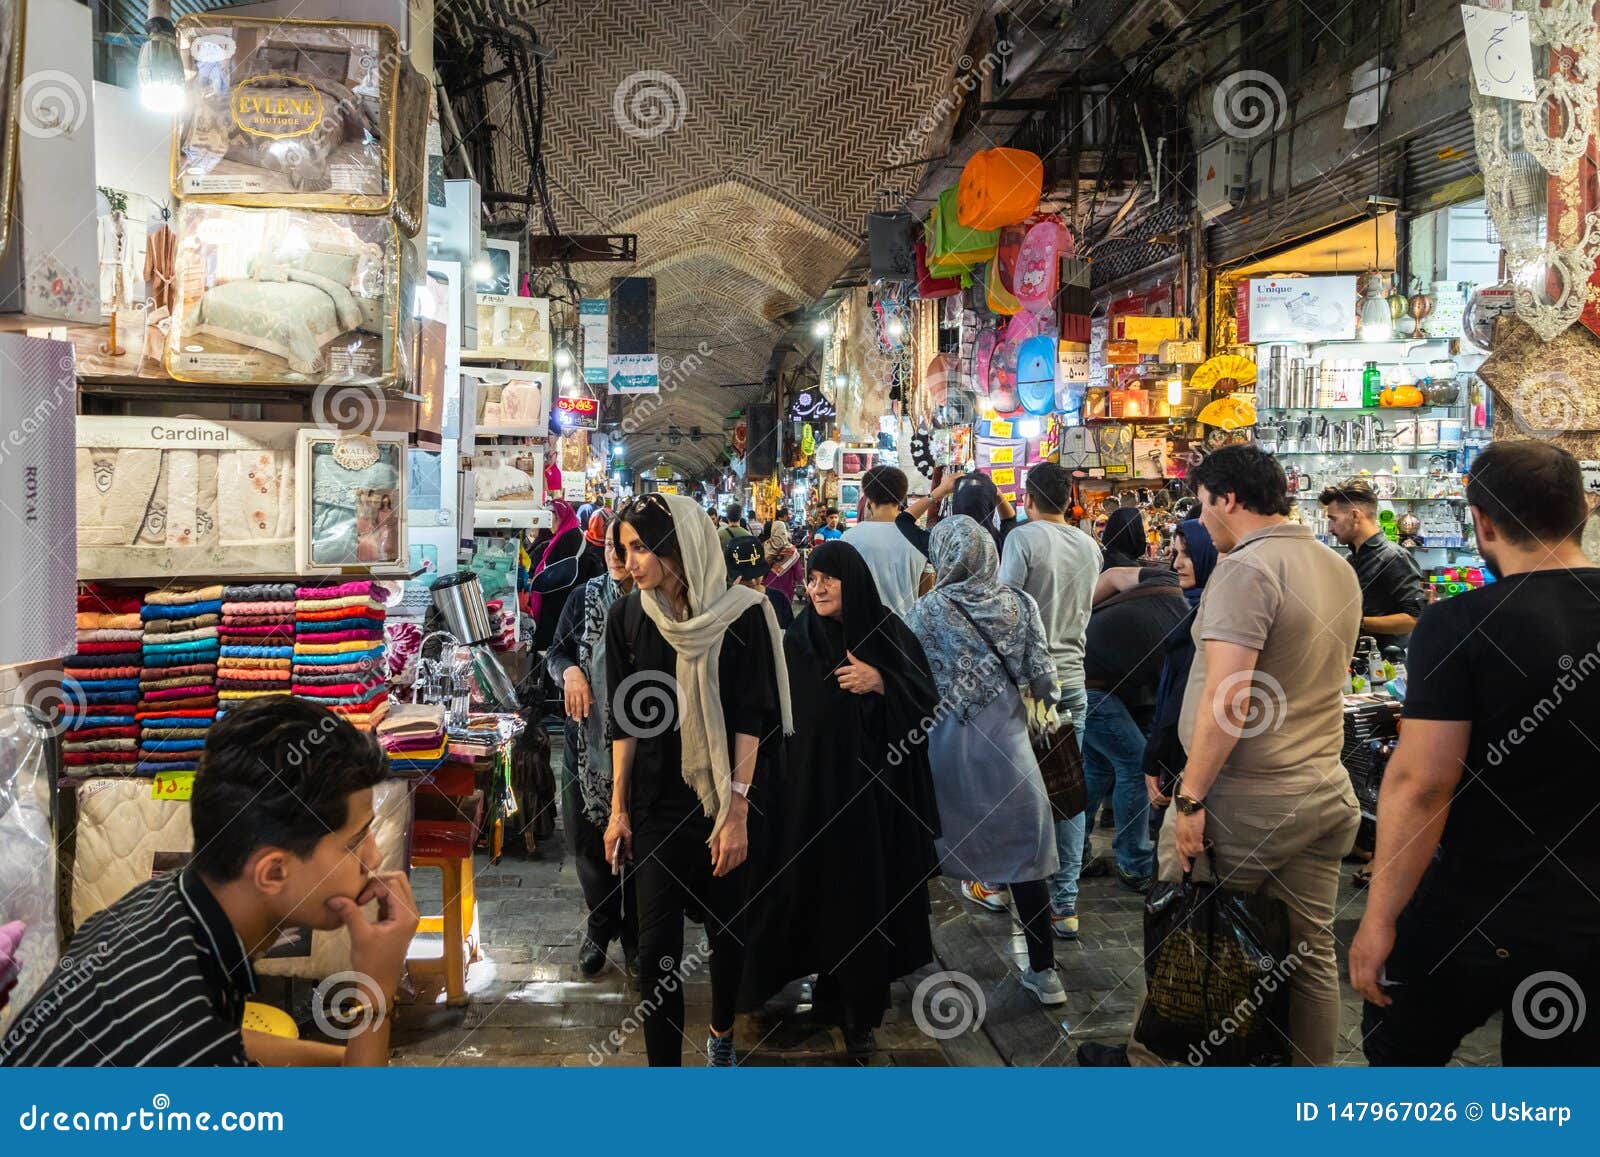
(1263, 724)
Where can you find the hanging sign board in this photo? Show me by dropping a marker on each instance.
(634, 374)
(1072, 365)
(578, 413)
(1501, 52)
(1296, 309)
(594, 318)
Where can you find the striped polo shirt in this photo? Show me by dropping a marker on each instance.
(158, 978)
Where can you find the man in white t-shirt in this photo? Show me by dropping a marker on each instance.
(1058, 564)
(897, 566)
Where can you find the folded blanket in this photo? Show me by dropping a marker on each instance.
(173, 765)
(180, 610)
(108, 731)
(150, 745)
(259, 620)
(167, 724)
(97, 620)
(187, 691)
(125, 695)
(177, 626)
(168, 706)
(232, 694)
(415, 743)
(180, 732)
(234, 651)
(107, 650)
(258, 592)
(363, 587)
(167, 760)
(181, 681)
(176, 597)
(178, 713)
(347, 646)
(77, 758)
(248, 662)
(324, 639)
(163, 645)
(106, 635)
(265, 630)
(336, 690)
(179, 670)
(335, 609)
(363, 670)
(88, 675)
(126, 743)
(316, 660)
(367, 614)
(253, 685)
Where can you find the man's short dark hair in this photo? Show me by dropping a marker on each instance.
(1531, 491)
(276, 773)
(1050, 487)
(885, 486)
(831, 512)
(1355, 492)
(733, 513)
(1248, 473)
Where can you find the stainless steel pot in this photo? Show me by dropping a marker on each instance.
(459, 601)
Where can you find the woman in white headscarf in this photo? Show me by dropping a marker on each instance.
(699, 703)
(986, 648)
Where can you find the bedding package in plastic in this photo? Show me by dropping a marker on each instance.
(284, 296)
(301, 114)
(27, 859)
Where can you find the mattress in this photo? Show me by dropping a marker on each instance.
(27, 855)
(124, 836)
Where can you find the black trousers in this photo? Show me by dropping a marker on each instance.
(672, 880)
(1033, 909)
(608, 897)
(1446, 979)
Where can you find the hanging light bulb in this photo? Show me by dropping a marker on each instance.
(1175, 391)
(563, 358)
(896, 329)
(840, 381)
(823, 328)
(160, 68)
(482, 270)
(1377, 321)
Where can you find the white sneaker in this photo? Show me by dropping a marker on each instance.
(993, 899)
(1045, 984)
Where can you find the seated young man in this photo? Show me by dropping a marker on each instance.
(282, 817)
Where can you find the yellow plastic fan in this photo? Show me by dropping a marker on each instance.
(1206, 377)
(1228, 413)
(272, 1021)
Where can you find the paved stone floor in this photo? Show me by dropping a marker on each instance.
(531, 1006)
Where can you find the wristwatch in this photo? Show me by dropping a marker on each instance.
(742, 789)
(1187, 805)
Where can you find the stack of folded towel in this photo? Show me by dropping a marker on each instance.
(102, 688)
(413, 735)
(257, 643)
(178, 683)
(338, 650)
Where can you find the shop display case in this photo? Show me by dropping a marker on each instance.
(352, 502)
(303, 114)
(284, 296)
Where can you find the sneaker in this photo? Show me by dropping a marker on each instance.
(719, 1051)
(993, 899)
(1045, 984)
(1099, 1056)
(1140, 884)
(1065, 925)
(591, 957)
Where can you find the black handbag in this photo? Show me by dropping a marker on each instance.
(1059, 757)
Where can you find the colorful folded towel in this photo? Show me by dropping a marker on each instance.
(178, 713)
(167, 723)
(344, 647)
(99, 674)
(336, 690)
(334, 626)
(77, 758)
(328, 606)
(96, 599)
(318, 660)
(150, 745)
(232, 694)
(180, 610)
(111, 649)
(364, 587)
(259, 592)
(99, 620)
(257, 652)
(174, 597)
(260, 620)
(177, 626)
(100, 635)
(249, 662)
(109, 731)
(229, 627)
(173, 706)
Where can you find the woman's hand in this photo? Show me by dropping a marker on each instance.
(731, 845)
(578, 696)
(619, 839)
(858, 678)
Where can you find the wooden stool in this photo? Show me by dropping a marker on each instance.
(447, 845)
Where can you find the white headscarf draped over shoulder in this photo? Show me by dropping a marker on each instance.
(714, 606)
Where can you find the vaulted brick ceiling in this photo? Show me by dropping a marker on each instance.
(744, 141)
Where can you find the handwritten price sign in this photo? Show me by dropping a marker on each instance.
(1502, 55)
(172, 785)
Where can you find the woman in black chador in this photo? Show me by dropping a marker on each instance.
(845, 891)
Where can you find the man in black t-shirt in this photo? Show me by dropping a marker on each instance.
(1485, 893)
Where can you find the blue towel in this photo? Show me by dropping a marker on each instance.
(188, 645)
(79, 722)
(231, 652)
(180, 610)
(179, 659)
(93, 685)
(175, 722)
(171, 744)
(339, 657)
(110, 697)
(373, 625)
(155, 765)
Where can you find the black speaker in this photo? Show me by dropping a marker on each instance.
(761, 440)
(889, 247)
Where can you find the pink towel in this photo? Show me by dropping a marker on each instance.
(343, 590)
(257, 609)
(284, 628)
(181, 692)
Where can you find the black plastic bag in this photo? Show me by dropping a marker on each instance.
(1217, 965)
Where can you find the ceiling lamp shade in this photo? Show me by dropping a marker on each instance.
(999, 187)
(1376, 315)
(161, 82)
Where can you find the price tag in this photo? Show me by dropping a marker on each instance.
(1004, 477)
(999, 429)
(172, 785)
(1002, 454)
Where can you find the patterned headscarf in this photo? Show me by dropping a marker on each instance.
(970, 616)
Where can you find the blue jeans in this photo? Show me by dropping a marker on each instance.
(1113, 761)
(1069, 833)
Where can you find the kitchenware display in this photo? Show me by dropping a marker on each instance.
(1383, 484)
(1401, 397)
(1442, 392)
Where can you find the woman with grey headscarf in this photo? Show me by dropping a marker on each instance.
(986, 647)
